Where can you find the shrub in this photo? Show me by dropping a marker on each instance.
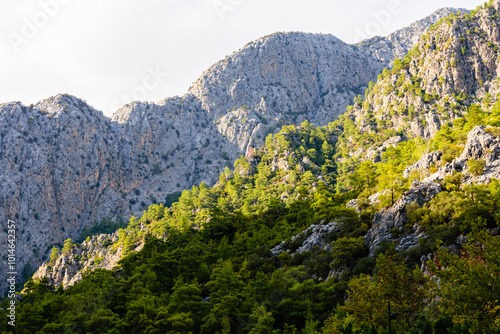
(68, 245)
(476, 167)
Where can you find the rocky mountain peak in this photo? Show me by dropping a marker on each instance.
(286, 75)
(397, 44)
(66, 104)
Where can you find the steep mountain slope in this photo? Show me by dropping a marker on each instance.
(396, 154)
(453, 66)
(286, 78)
(268, 234)
(58, 163)
(397, 44)
(292, 165)
(444, 91)
(66, 165)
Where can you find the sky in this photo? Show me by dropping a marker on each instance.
(110, 52)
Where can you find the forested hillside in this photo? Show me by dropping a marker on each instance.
(272, 247)
(322, 229)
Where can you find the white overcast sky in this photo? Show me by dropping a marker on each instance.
(103, 51)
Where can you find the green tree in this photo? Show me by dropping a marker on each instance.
(262, 321)
(54, 253)
(391, 181)
(181, 323)
(494, 118)
(474, 116)
(403, 288)
(468, 284)
(327, 149)
(363, 177)
(394, 283)
(365, 303)
(68, 246)
(225, 289)
(186, 304)
(345, 251)
(368, 172)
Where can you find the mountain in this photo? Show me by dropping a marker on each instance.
(319, 229)
(67, 166)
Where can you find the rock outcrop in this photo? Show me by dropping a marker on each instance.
(425, 163)
(313, 236)
(394, 217)
(481, 145)
(452, 67)
(100, 252)
(397, 44)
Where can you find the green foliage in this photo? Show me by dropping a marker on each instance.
(105, 226)
(345, 251)
(54, 254)
(456, 210)
(476, 167)
(214, 272)
(68, 246)
(475, 117)
(460, 287)
(206, 265)
(393, 283)
(469, 283)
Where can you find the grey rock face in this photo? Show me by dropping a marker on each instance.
(408, 241)
(424, 164)
(394, 217)
(359, 204)
(285, 75)
(317, 236)
(420, 95)
(58, 161)
(479, 144)
(65, 165)
(353, 204)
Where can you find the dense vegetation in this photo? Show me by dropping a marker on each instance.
(450, 140)
(215, 273)
(207, 265)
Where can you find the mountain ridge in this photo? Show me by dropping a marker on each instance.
(87, 166)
